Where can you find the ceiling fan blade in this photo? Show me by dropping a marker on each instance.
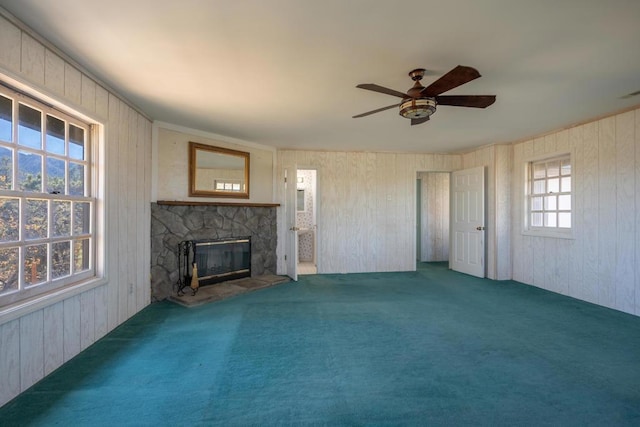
(454, 78)
(382, 89)
(475, 101)
(418, 121)
(388, 107)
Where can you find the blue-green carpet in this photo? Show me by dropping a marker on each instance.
(431, 347)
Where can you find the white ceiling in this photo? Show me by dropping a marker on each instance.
(283, 72)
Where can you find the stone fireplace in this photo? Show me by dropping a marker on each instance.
(175, 222)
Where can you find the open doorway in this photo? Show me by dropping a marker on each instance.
(306, 215)
(432, 216)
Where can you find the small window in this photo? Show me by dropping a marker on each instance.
(549, 197)
(47, 202)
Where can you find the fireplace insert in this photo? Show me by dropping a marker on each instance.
(216, 260)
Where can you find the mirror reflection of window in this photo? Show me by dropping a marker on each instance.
(218, 172)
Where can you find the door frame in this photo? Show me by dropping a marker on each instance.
(290, 173)
(421, 216)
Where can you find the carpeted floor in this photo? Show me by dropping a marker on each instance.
(431, 347)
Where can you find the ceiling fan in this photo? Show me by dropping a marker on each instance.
(420, 102)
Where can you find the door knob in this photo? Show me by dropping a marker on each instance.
(480, 228)
(294, 229)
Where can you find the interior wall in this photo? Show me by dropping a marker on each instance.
(434, 239)
(601, 263)
(35, 341)
(172, 165)
(367, 207)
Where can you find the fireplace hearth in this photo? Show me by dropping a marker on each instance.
(217, 260)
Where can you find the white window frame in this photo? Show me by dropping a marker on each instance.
(25, 299)
(544, 231)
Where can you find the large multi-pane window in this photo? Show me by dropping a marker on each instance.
(46, 202)
(550, 195)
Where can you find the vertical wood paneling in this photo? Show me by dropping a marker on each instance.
(54, 72)
(488, 161)
(102, 103)
(405, 208)
(370, 214)
(31, 349)
(123, 214)
(606, 212)
(72, 84)
(517, 215)
(53, 337)
(539, 258)
(550, 145)
(102, 311)
(503, 171)
(389, 214)
(549, 265)
(330, 203)
(636, 310)
(527, 241)
(134, 165)
(10, 45)
(366, 217)
(71, 327)
(88, 87)
(562, 142)
(32, 65)
(341, 227)
(355, 178)
(143, 239)
(9, 361)
(539, 146)
(87, 319)
(590, 232)
(39, 342)
(113, 209)
(561, 281)
(625, 212)
(601, 262)
(325, 210)
(383, 191)
(576, 254)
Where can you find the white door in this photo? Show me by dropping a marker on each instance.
(291, 243)
(467, 221)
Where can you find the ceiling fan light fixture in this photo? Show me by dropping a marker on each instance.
(419, 108)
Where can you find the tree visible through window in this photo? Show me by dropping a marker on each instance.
(46, 206)
(550, 194)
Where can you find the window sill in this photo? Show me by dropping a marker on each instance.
(22, 308)
(550, 233)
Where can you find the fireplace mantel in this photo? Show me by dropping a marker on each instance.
(197, 203)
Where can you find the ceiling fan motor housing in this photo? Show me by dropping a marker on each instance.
(417, 108)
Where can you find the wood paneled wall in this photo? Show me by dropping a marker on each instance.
(434, 239)
(601, 263)
(366, 207)
(38, 342)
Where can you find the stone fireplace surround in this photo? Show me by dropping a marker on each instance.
(173, 222)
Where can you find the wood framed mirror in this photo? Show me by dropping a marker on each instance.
(218, 172)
